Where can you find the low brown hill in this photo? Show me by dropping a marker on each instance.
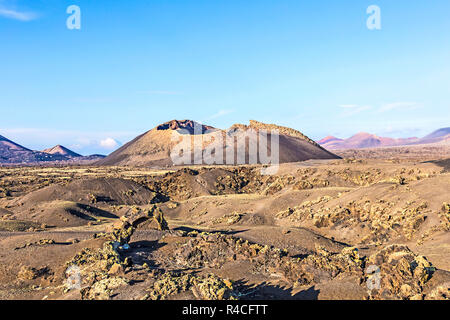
(111, 191)
(81, 201)
(154, 147)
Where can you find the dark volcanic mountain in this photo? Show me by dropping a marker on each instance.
(185, 125)
(154, 147)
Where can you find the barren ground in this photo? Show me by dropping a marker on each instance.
(314, 230)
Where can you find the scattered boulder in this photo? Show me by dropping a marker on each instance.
(402, 274)
(209, 287)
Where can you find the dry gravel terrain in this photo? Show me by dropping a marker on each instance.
(355, 228)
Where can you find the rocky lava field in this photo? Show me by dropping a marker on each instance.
(318, 229)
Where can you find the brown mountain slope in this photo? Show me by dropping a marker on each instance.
(154, 147)
(293, 145)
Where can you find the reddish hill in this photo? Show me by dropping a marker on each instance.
(364, 140)
(367, 140)
(328, 140)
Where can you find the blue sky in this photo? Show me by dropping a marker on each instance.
(310, 65)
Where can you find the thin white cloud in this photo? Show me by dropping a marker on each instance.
(16, 14)
(353, 109)
(220, 113)
(348, 106)
(160, 92)
(94, 100)
(398, 105)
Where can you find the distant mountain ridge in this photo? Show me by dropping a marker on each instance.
(367, 140)
(438, 133)
(153, 147)
(12, 153)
